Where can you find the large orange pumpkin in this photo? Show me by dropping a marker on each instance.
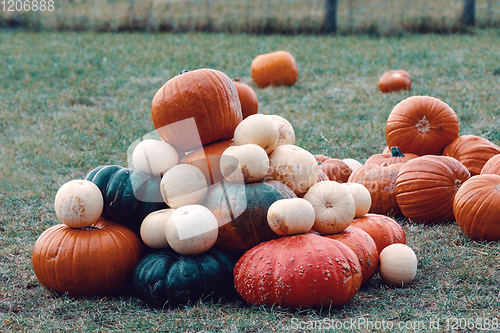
(384, 230)
(275, 68)
(426, 186)
(94, 261)
(392, 157)
(196, 105)
(421, 125)
(248, 98)
(492, 166)
(472, 151)
(477, 207)
(394, 80)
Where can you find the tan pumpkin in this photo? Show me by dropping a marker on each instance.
(152, 229)
(398, 265)
(291, 216)
(352, 163)
(154, 157)
(259, 129)
(362, 198)
(287, 133)
(184, 184)
(248, 163)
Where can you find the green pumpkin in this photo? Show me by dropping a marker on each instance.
(168, 278)
(129, 196)
(241, 210)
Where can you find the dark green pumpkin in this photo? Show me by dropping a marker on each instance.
(168, 278)
(241, 210)
(129, 196)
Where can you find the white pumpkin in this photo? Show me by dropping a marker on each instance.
(362, 198)
(248, 162)
(153, 228)
(259, 129)
(183, 184)
(294, 166)
(287, 134)
(191, 229)
(78, 203)
(398, 265)
(290, 216)
(154, 157)
(333, 205)
(352, 163)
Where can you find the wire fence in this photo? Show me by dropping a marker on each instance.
(251, 16)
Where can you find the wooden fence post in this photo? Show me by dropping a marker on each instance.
(331, 16)
(469, 12)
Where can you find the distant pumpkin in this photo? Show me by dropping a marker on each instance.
(394, 80)
(274, 69)
(248, 98)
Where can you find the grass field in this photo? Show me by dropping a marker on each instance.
(70, 102)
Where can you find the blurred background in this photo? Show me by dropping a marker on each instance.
(377, 17)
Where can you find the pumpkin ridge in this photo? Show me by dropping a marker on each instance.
(475, 226)
(221, 113)
(51, 237)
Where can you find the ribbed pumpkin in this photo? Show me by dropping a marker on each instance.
(492, 166)
(207, 159)
(381, 183)
(426, 186)
(248, 98)
(301, 271)
(241, 211)
(421, 125)
(395, 156)
(168, 278)
(129, 196)
(199, 104)
(472, 151)
(335, 169)
(394, 80)
(477, 207)
(274, 69)
(363, 245)
(93, 261)
(384, 230)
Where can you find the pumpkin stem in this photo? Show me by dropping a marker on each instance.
(396, 152)
(237, 79)
(89, 228)
(183, 71)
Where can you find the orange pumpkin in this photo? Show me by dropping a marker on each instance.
(477, 207)
(207, 159)
(94, 261)
(394, 156)
(248, 98)
(334, 168)
(472, 151)
(394, 80)
(384, 230)
(274, 69)
(196, 105)
(426, 186)
(421, 125)
(380, 182)
(492, 166)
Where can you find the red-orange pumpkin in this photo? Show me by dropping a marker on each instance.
(492, 166)
(248, 98)
(426, 186)
(363, 245)
(472, 151)
(301, 271)
(94, 261)
(384, 230)
(421, 125)
(275, 68)
(394, 156)
(207, 159)
(380, 182)
(334, 168)
(394, 80)
(196, 105)
(477, 207)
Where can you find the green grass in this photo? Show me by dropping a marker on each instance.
(70, 102)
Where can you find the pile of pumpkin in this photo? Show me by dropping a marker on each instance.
(226, 204)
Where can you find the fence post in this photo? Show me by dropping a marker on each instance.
(331, 16)
(469, 12)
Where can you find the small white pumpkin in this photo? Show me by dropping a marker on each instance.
(398, 265)
(287, 134)
(154, 157)
(290, 216)
(183, 184)
(352, 163)
(78, 203)
(191, 229)
(333, 205)
(248, 162)
(294, 166)
(153, 228)
(259, 129)
(362, 198)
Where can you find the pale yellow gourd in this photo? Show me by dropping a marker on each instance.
(398, 265)
(154, 157)
(258, 129)
(248, 163)
(285, 129)
(182, 185)
(362, 198)
(290, 216)
(153, 228)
